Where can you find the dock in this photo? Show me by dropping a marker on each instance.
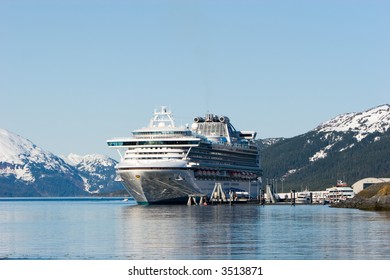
(218, 196)
(265, 197)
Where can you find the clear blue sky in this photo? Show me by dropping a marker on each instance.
(75, 73)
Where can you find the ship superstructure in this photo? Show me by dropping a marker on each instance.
(163, 163)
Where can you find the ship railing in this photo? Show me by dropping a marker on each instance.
(163, 136)
(238, 146)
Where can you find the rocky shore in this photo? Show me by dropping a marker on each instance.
(375, 197)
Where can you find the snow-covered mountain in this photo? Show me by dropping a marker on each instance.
(358, 125)
(373, 120)
(28, 170)
(350, 146)
(18, 155)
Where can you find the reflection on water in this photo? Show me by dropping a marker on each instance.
(120, 230)
(253, 232)
(191, 232)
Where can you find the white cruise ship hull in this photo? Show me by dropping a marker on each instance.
(173, 186)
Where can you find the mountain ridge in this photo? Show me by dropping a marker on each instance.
(28, 170)
(376, 119)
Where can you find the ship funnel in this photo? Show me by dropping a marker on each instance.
(223, 119)
(198, 119)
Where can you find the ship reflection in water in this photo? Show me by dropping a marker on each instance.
(253, 232)
(182, 232)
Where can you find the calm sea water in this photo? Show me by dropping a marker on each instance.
(114, 229)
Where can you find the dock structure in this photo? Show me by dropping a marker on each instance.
(194, 198)
(293, 197)
(271, 193)
(218, 195)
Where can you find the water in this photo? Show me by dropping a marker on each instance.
(114, 229)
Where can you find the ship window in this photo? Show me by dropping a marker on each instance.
(113, 144)
(135, 143)
(212, 129)
(169, 132)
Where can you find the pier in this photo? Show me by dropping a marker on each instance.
(218, 196)
(268, 196)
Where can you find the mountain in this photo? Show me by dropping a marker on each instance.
(350, 146)
(28, 170)
(97, 172)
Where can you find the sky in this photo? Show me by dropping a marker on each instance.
(75, 73)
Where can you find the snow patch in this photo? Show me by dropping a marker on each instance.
(20, 172)
(88, 161)
(346, 148)
(271, 141)
(319, 155)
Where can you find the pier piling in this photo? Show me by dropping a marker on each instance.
(193, 199)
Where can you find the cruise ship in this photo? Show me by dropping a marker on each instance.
(164, 163)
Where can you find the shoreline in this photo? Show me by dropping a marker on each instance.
(374, 198)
